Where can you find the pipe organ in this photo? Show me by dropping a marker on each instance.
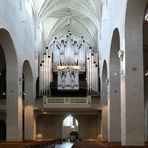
(68, 65)
(92, 72)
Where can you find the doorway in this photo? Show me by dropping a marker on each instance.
(70, 128)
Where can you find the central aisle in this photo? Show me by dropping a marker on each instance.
(64, 145)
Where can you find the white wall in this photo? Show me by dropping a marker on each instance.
(15, 19)
(113, 16)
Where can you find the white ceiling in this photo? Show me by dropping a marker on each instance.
(81, 17)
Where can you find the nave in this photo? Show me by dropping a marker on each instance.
(64, 145)
(73, 69)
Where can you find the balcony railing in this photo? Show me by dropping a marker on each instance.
(66, 100)
(71, 102)
(62, 102)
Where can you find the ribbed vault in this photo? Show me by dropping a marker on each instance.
(81, 17)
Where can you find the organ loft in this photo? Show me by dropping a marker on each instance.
(68, 67)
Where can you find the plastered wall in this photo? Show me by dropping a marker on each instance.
(50, 126)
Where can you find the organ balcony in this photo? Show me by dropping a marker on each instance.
(89, 102)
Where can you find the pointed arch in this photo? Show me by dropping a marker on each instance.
(114, 100)
(28, 99)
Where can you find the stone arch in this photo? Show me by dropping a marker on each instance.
(104, 100)
(28, 98)
(114, 118)
(145, 61)
(104, 83)
(132, 96)
(66, 129)
(13, 100)
(2, 74)
(27, 76)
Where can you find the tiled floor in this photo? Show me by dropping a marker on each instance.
(64, 145)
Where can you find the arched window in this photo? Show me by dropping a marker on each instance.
(70, 121)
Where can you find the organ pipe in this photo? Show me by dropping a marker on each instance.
(68, 58)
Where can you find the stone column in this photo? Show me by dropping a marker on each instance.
(104, 102)
(29, 109)
(14, 106)
(132, 86)
(104, 123)
(29, 122)
(132, 94)
(132, 107)
(13, 89)
(114, 110)
(35, 128)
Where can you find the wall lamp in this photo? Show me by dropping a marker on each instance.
(3, 93)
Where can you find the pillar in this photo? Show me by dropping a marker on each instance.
(29, 122)
(114, 112)
(132, 95)
(132, 86)
(29, 126)
(104, 123)
(14, 107)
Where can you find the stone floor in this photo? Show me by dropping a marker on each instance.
(79, 144)
(99, 144)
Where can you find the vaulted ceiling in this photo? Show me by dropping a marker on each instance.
(81, 17)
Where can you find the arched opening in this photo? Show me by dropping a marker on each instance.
(145, 58)
(28, 99)
(37, 87)
(99, 87)
(104, 84)
(70, 129)
(2, 74)
(132, 94)
(2, 130)
(9, 64)
(104, 120)
(2, 91)
(114, 111)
